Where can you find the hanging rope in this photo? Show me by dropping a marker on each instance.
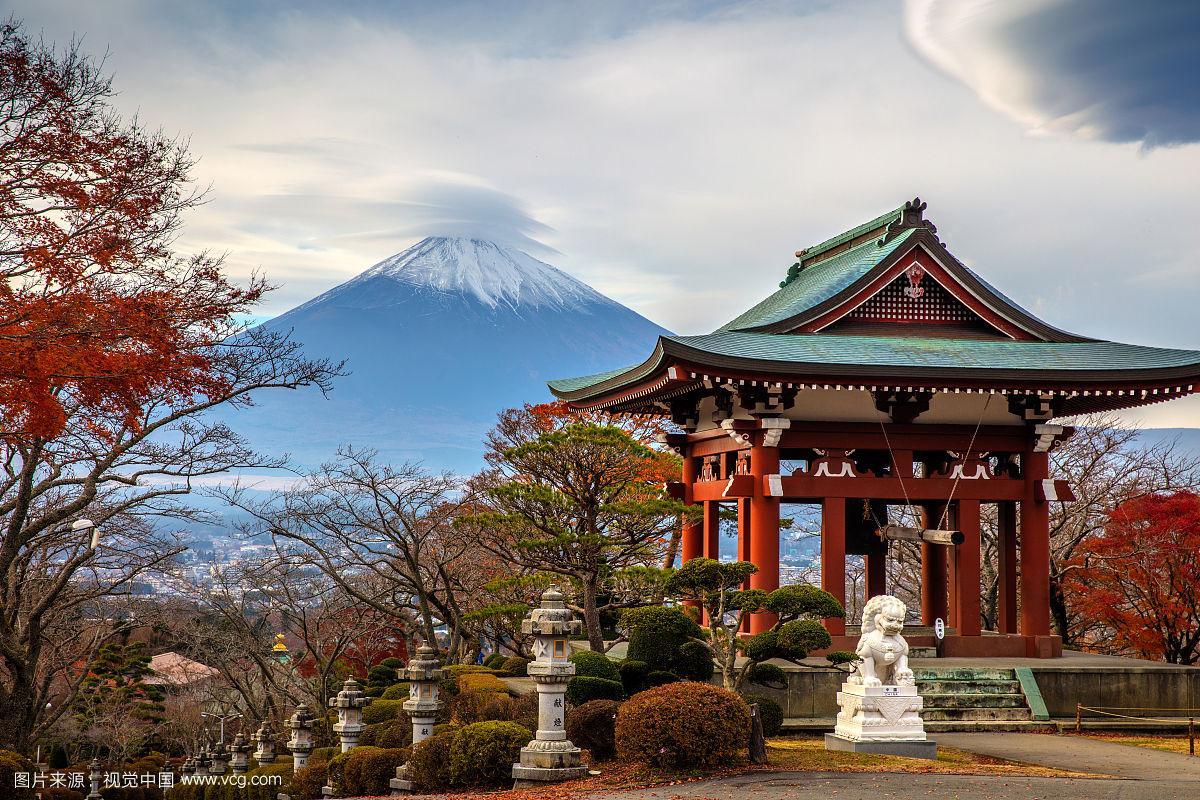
(892, 458)
(966, 457)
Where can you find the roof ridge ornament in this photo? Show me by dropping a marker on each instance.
(912, 215)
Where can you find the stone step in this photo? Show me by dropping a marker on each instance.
(969, 687)
(975, 714)
(978, 700)
(922, 652)
(986, 726)
(963, 674)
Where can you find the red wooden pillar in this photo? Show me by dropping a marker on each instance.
(966, 570)
(764, 528)
(933, 572)
(692, 541)
(1006, 572)
(1035, 550)
(833, 557)
(712, 530)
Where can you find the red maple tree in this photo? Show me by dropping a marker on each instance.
(1140, 579)
(96, 311)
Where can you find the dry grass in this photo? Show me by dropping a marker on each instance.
(1175, 743)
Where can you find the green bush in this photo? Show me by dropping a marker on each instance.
(800, 637)
(264, 791)
(428, 767)
(477, 682)
(761, 646)
(516, 665)
(10, 764)
(466, 669)
(483, 753)
(594, 665)
(593, 726)
(656, 633)
(397, 691)
(768, 675)
(382, 711)
(584, 689)
(633, 676)
(468, 706)
(694, 662)
(324, 753)
(769, 711)
(307, 781)
(683, 725)
(369, 769)
(495, 661)
(661, 678)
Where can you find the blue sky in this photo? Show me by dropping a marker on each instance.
(674, 155)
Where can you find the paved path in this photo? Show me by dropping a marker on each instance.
(1079, 754)
(873, 786)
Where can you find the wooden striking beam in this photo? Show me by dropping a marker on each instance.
(931, 535)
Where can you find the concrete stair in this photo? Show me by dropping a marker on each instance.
(970, 699)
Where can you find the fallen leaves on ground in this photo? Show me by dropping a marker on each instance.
(1177, 743)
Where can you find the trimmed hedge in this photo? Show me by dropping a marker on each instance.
(369, 769)
(383, 711)
(656, 633)
(482, 754)
(769, 711)
(427, 767)
(397, 691)
(771, 675)
(481, 682)
(516, 665)
(694, 662)
(633, 676)
(683, 725)
(495, 661)
(661, 678)
(307, 781)
(388, 735)
(591, 664)
(594, 726)
(10, 764)
(584, 689)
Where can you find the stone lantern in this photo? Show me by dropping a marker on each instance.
(203, 762)
(550, 756)
(95, 773)
(265, 740)
(220, 758)
(301, 743)
(349, 704)
(239, 755)
(423, 674)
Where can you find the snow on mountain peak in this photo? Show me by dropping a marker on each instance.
(492, 274)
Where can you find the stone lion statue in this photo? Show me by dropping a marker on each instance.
(883, 651)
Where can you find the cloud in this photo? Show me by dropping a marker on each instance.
(1112, 70)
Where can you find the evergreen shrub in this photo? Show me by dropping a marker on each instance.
(633, 676)
(495, 661)
(593, 726)
(482, 754)
(307, 781)
(589, 663)
(382, 711)
(694, 662)
(428, 766)
(683, 725)
(397, 691)
(368, 770)
(769, 711)
(584, 688)
(481, 682)
(517, 666)
(10, 764)
(661, 677)
(656, 633)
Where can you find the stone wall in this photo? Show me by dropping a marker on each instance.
(1145, 687)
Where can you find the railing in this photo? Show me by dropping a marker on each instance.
(1188, 714)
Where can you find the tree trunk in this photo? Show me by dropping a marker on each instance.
(1058, 611)
(591, 616)
(758, 741)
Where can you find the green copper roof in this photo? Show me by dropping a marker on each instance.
(858, 356)
(858, 230)
(818, 283)
(910, 352)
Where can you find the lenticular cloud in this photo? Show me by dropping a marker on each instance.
(1102, 69)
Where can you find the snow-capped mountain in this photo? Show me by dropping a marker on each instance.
(439, 339)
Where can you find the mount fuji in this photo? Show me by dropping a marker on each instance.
(438, 340)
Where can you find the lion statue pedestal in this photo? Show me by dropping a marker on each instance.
(880, 707)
